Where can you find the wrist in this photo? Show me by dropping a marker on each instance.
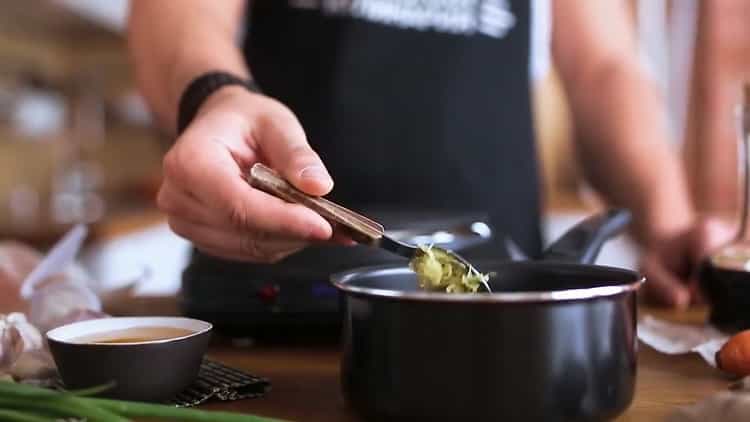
(206, 88)
(223, 95)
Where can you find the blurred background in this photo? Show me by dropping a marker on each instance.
(78, 145)
(76, 142)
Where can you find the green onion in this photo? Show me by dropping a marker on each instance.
(147, 410)
(16, 416)
(26, 390)
(63, 406)
(92, 391)
(29, 401)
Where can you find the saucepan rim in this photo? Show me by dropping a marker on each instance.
(342, 280)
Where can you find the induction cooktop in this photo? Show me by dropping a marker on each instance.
(294, 298)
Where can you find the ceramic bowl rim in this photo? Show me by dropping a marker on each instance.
(58, 334)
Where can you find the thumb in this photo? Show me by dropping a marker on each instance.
(283, 143)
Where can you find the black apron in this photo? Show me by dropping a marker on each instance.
(406, 118)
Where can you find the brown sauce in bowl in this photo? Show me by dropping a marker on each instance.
(134, 335)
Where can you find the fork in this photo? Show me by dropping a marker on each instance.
(359, 228)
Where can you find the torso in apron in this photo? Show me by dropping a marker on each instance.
(411, 104)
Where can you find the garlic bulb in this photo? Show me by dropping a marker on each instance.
(11, 345)
(22, 350)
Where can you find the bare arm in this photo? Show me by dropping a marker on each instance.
(623, 143)
(203, 192)
(171, 42)
(622, 134)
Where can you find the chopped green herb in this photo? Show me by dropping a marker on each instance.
(438, 270)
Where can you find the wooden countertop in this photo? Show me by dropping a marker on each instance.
(305, 383)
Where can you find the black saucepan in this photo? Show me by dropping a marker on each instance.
(554, 341)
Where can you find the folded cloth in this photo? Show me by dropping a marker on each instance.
(673, 339)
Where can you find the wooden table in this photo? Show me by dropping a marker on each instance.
(306, 385)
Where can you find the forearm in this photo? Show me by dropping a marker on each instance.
(171, 42)
(622, 141)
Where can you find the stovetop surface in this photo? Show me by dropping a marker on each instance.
(297, 292)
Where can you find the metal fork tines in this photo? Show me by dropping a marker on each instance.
(410, 251)
(357, 226)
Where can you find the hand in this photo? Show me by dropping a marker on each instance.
(671, 265)
(208, 202)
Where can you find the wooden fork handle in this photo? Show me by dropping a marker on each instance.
(360, 228)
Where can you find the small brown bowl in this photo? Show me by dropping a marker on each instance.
(151, 370)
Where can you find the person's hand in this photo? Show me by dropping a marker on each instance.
(671, 265)
(208, 202)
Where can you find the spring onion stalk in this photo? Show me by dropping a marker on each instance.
(64, 406)
(23, 396)
(147, 410)
(10, 388)
(16, 416)
(91, 391)
(31, 401)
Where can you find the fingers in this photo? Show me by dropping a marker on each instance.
(284, 144)
(663, 286)
(342, 239)
(672, 268)
(210, 173)
(207, 198)
(252, 247)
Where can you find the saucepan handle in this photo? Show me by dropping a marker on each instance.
(583, 242)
